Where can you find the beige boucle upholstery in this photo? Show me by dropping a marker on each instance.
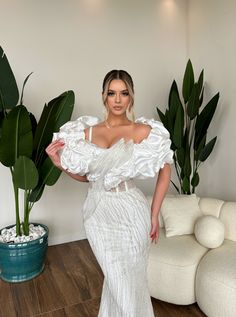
(216, 281)
(209, 231)
(182, 271)
(172, 273)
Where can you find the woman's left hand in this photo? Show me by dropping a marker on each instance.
(154, 234)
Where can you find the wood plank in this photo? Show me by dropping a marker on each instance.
(7, 309)
(78, 310)
(68, 274)
(93, 272)
(25, 299)
(92, 306)
(56, 313)
(5, 292)
(48, 293)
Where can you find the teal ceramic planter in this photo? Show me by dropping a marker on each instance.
(23, 261)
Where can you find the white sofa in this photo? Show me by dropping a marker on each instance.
(182, 271)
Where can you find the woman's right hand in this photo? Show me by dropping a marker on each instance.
(154, 234)
(52, 152)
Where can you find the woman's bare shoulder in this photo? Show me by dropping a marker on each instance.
(96, 126)
(142, 130)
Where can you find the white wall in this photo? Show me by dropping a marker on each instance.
(212, 46)
(72, 45)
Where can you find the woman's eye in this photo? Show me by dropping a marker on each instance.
(112, 93)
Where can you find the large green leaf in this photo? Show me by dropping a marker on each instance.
(49, 172)
(64, 109)
(195, 179)
(193, 103)
(169, 127)
(175, 103)
(9, 94)
(186, 184)
(22, 92)
(25, 174)
(200, 147)
(16, 137)
(33, 123)
(162, 116)
(188, 81)
(173, 88)
(180, 156)
(1, 122)
(204, 119)
(200, 82)
(49, 175)
(200, 88)
(54, 115)
(206, 151)
(201, 97)
(37, 192)
(178, 127)
(187, 165)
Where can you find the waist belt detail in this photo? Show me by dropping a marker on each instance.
(122, 186)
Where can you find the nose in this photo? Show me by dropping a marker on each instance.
(117, 97)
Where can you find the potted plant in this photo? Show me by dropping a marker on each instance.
(188, 122)
(22, 149)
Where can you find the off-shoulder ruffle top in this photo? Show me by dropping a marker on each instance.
(122, 161)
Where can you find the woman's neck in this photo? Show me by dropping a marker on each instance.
(114, 121)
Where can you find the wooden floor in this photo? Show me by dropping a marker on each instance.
(70, 286)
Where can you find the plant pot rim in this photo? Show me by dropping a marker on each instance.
(20, 244)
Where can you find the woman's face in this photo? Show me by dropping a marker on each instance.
(118, 97)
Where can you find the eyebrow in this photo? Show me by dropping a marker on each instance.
(114, 90)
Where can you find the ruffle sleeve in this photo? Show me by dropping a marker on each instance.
(76, 154)
(154, 151)
(144, 159)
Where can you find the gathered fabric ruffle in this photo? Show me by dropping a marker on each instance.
(153, 152)
(122, 161)
(76, 154)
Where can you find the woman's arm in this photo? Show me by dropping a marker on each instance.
(161, 188)
(52, 152)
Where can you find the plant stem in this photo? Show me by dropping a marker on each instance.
(177, 172)
(16, 194)
(175, 186)
(26, 214)
(193, 131)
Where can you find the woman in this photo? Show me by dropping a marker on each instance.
(117, 216)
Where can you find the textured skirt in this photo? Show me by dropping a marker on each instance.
(117, 224)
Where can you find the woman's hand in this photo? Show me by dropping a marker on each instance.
(154, 234)
(52, 152)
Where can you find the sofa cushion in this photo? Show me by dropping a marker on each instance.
(216, 281)
(176, 250)
(210, 206)
(179, 214)
(173, 262)
(228, 217)
(209, 231)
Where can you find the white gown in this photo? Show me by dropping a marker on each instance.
(117, 215)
